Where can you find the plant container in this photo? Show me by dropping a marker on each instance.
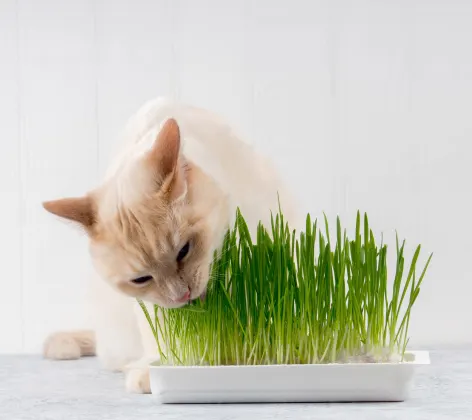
(309, 383)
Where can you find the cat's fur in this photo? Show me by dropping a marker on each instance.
(182, 174)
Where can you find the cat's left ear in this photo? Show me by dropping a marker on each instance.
(167, 162)
(80, 210)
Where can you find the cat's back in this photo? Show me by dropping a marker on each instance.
(195, 123)
(207, 139)
(217, 148)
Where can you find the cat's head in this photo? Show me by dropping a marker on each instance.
(154, 224)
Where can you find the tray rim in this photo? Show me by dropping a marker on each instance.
(422, 357)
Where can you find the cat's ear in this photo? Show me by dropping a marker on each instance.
(167, 162)
(80, 210)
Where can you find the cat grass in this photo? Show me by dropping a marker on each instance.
(289, 298)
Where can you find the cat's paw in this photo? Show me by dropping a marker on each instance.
(137, 381)
(61, 346)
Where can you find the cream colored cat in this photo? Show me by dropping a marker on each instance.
(154, 224)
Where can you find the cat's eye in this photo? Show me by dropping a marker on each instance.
(141, 280)
(183, 252)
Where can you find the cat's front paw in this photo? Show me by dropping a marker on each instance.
(69, 345)
(61, 346)
(137, 381)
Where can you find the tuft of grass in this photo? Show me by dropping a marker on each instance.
(284, 298)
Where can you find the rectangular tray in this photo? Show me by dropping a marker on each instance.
(350, 382)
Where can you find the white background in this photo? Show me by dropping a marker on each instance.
(363, 105)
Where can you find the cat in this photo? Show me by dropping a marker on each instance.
(154, 224)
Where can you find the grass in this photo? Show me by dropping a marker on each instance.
(284, 298)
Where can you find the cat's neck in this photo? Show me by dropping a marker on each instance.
(208, 197)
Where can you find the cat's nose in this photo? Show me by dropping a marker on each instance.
(184, 298)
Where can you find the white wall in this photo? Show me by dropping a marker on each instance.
(362, 104)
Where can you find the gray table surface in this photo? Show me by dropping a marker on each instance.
(32, 388)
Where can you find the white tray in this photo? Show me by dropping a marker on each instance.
(355, 382)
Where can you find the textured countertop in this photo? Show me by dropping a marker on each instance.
(36, 389)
